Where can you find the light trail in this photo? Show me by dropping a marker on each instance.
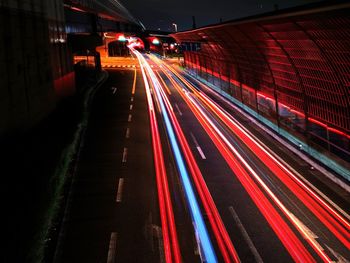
(296, 222)
(170, 240)
(205, 242)
(286, 235)
(337, 224)
(224, 242)
(282, 230)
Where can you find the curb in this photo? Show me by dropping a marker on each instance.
(64, 173)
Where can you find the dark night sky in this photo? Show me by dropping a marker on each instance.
(160, 14)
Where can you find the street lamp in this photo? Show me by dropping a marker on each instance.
(175, 26)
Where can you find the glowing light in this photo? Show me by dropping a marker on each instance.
(121, 38)
(155, 41)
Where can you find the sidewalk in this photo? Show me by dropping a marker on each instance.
(35, 166)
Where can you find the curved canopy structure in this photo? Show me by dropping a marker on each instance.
(299, 58)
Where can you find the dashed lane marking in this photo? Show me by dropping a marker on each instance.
(118, 198)
(125, 155)
(127, 133)
(112, 250)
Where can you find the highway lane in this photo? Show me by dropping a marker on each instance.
(113, 208)
(116, 151)
(297, 208)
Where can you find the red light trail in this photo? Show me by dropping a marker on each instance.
(283, 221)
(337, 224)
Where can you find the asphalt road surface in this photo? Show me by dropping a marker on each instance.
(112, 213)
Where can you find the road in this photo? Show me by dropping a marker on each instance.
(170, 172)
(112, 212)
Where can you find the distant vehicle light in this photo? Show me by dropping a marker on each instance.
(121, 38)
(155, 41)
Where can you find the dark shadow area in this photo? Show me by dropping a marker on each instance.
(29, 184)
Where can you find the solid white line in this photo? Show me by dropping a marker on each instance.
(130, 108)
(245, 235)
(127, 133)
(120, 190)
(112, 248)
(125, 154)
(178, 109)
(129, 118)
(201, 152)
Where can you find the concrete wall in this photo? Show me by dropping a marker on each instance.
(35, 66)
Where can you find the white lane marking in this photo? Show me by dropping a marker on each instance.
(125, 154)
(112, 248)
(194, 139)
(201, 153)
(114, 90)
(127, 133)
(130, 108)
(199, 149)
(118, 199)
(129, 118)
(178, 109)
(159, 237)
(132, 99)
(245, 235)
(197, 249)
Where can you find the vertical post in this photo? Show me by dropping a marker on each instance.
(97, 61)
(328, 142)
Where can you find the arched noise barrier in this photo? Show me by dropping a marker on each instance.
(297, 65)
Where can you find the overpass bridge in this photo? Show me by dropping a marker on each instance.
(37, 47)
